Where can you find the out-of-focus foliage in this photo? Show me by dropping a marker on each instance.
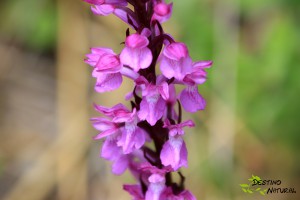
(268, 77)
(195, 19)
(268, 92)
(30, 22)
(268, 82)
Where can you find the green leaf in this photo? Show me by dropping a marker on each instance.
(261, 192)
(258, 178)
(257, 189)
(244, 190)
(244, 185)
(249, 191)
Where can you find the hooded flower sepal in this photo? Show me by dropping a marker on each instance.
(136, 54)
(162, 11)
(175, 61)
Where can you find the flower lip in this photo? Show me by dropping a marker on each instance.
(191, 100)
(136, 41)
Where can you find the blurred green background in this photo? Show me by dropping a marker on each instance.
(250, 126)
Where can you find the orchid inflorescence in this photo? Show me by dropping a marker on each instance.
(155, 114)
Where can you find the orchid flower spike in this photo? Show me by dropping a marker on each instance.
(155, 63)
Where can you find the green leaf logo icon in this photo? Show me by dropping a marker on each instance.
(252, 187)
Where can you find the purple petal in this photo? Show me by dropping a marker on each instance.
(146, 32)
(120, 165)
(172, 94)
(105, 126)
(110, 150)
(95, 73)
(135, 191)
(108, 82)
(147, 167)
(132, 138)
(129, 96)
(203, 64)
(104, 9)
(109, 63)
(105, 133)
(176, 61)
(95, 54)
(111, 112)
(174, 153)
(101, 50)
(156, 187)
(102, 124)
(123, 13)
(191, 100)
(183, 155)
(136, 58)
(140, 138)
(167, 67)
(164, 90)
(162, 12)
(125, 116)
(116, 2)
(176, 51)
(152, 109)
(142, 84)
(136, 41)
(156, 178)
(178, 69)
(198, 77)
(100, 2)
(188, 123)
(128, 72)
(178, 128)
